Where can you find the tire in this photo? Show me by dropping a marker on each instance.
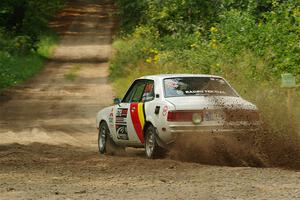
(106, 145)
(152, 149)
(102, 135)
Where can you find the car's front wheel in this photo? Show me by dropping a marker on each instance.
(103, 130)
(106, 143)
(152, 149)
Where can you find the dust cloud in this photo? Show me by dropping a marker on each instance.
(267, 147)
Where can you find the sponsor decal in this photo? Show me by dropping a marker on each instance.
(121, 124)
(204, 92)
(122, 132)
(138, 119)
(111, 118)
(121, 120)
(122, 112)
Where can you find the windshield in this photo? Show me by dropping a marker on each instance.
(197, 86)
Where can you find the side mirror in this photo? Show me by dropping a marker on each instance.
(117, 100)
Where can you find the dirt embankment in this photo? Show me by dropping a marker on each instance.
(48, 137)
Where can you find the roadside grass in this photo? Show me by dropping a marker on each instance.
(47, 44)
(72, 74)
(16, 68)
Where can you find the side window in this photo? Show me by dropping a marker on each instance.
(138, 92)
(134, 94)
(129, 93)
(148, 94)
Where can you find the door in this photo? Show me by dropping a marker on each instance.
(130, 117)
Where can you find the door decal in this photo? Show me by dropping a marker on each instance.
(138, 119)
(121, 125)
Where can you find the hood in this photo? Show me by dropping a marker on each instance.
(210, 102)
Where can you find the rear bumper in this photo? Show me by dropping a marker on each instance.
(175, 131)
(185, 129)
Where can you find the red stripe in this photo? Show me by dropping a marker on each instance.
(136, 121)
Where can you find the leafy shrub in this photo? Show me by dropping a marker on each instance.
(275, 35)
(267, 31)
(24, 38)
(16, 68)
(25, 21)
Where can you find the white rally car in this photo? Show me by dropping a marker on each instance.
(156, 109)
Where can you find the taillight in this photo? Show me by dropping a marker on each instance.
(171, 116)
(182, 115)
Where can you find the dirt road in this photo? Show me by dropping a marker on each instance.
(48, 137)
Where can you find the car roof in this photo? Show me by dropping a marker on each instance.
(163, 76)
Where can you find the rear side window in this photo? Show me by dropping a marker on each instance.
(197, 86)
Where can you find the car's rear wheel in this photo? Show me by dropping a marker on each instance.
(106, 143)
(152, 149)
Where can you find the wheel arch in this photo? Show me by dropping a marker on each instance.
(103, 115)
(159, 141)
(147, 124)
(101, 121)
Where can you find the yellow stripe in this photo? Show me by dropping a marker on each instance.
(141, 114)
